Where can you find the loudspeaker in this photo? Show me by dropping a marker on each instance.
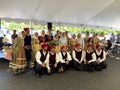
(49, 25)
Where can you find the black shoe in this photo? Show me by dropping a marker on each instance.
(37, 75)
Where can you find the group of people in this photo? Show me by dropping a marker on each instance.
(47, 54)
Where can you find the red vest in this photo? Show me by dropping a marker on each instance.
(78, 54)
(88, 56)
(52, 59)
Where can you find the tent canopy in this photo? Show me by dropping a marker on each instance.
(87, 12)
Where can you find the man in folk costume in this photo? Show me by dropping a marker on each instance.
(41, 63)
(27, 46)
(78, 57)
(64, 59)
(52, 61)
(90, 59)
(101, 57)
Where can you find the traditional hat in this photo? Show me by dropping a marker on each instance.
(26, 29)
(97, 46)
(77, 45)
(89, 45)
(63, 46)
(44, 45)
(51, 47)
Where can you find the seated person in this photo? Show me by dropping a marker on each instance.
(90, 59)
(52, 61)
(101, 57)
(64, 59)
(108, 45)
(78, 57)
(40, 67)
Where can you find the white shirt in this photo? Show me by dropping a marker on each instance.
(104, 55)
(81, 42)
(47, 59)
(61, 59)
(63, 41)
(93, 57)
(38, 56)
(74, 55)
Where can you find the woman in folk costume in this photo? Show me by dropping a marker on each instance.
(90, 42)
(95, 41)
(41, 63)
(85, 40)
(52, 61)
(78, 57)
(17, 64)
(101, 58)
(42, 38)
(64, 59)
(90, 59)
(35, 47)
(55, 42)
(72, 43)
(63, 40)
(80, 40)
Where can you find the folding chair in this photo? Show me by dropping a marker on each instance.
(109, 51)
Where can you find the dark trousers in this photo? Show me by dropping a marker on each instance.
(65, 66)
(28, 56)
(53, 69)
(90, 67)
(102, 65)
(39, 69)
(77, 66)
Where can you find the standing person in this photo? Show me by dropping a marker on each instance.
(86, 39)
(64, 59)
(95, 41)
(35, 47)
(41, 62)
(17, 64)
(52, 61)
(27, 46)
(14, 35)
(112, 38)
(42, 38)
(78, 57)
(80, 40)
(90, 59)
(101, 57)
(63, 40)
(72, 43)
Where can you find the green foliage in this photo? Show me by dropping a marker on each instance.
(19, 26)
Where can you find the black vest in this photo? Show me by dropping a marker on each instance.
(99, 56)
(64, 57)
(43, 57)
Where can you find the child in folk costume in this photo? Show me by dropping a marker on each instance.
(52, 61)
(78, 57)
(64, 59)
(101, 57)
(90, 59)
(40, 66)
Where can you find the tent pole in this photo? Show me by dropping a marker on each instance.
(0, 23)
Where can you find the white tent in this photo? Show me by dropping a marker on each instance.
(87, 12)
